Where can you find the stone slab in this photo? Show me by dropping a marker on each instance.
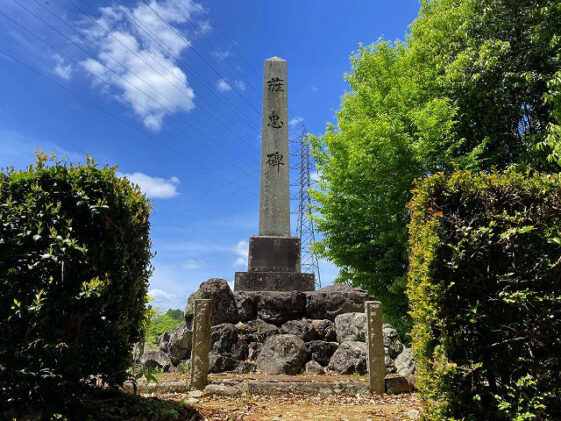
(274, 254)
(273, 281)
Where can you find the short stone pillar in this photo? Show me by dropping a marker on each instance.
(201, 344)
(375, 341)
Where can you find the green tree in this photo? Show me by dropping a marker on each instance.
(175, 313)
(466, 90)
(160, 321)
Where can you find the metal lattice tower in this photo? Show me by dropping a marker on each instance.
(304, 225)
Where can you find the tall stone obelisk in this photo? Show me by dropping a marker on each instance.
(274, 256)
(274, 199)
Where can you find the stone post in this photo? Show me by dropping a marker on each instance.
(375, 342)
(201, 344)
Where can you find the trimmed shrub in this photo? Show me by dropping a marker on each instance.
(484, 288)
(74, 268)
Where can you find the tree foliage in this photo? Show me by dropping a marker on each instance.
(468, 89)
(484, 284)
(74, 268)
(161, 321)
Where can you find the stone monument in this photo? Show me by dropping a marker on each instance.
(274, 256)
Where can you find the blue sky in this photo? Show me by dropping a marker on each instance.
(170, 91)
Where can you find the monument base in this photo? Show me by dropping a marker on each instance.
(274, 281)
(274, 254)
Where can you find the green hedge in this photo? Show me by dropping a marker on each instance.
(74, 268)
(485, 293)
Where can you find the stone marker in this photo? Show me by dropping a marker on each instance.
(201, 344)
(274, 256)
(274, 199)
(375, 341)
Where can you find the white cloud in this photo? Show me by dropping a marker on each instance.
(193, 264)
(161, 295)
(296, 121)
(240, 84)
(242, 251)
(204, 27)
(148, 77)
(223, 86)
(62, 68)
(221, 54)
(314, 177)
(154, 187)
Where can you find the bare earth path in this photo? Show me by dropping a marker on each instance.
(298, 407)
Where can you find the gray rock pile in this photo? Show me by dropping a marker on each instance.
(282, 333)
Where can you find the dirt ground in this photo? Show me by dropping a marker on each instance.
(298, 407)
(305, 408)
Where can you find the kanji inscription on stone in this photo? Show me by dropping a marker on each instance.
(274, 120)
(275, 84)
(275, 159)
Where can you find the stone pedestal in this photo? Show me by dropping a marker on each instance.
(273, 281)
(274, 265)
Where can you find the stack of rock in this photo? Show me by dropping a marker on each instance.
(282, 332)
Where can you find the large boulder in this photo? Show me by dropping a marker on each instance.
(179, 343)
(278, 307)
(254, 349)
(304, 329)
(257, 330)
(351, 327)
(224, 308)
(245, 367)
(313, 368)
(350, 358)
(156, 359)
(163, 340)
(245, 303)
(325, 329)
(392, 342)
(390, 368)
(333, 300)
(404, 363)
(321, 351)
(282, 354)
(219, 363)
(224, 340)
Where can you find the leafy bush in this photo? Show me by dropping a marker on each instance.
(160, 322)
(484, 284)
(74, 268)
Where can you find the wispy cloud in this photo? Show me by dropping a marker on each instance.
(314, 177)
(240, 84)
(223, 86)
(295, 122)
(148, 77)
(221, 54)
(62, 68)
(153, 187)
(191, 264)
(242, 251)
(204, 27)
(314, 88)
(160, 295)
